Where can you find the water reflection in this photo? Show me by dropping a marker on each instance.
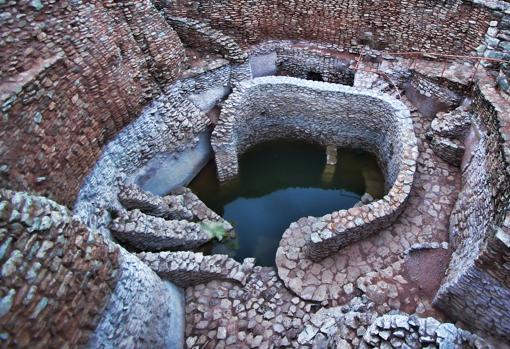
(278, 183)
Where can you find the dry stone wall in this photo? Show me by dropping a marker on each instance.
(476, 286)
(358, 325)
(189, 268)
(148, 233)
(170, 123)
(143, 311)
(201, 36)
(451, 27)
(447, 133)
(399, 330)
(307, 60)
(57, 275)
(73, 73)
(279, 107)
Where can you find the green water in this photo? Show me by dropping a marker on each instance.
(278, 183)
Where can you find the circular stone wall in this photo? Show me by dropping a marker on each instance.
(276, 107)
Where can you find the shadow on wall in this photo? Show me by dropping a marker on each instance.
(433, 96)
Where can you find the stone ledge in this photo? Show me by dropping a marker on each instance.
(187, 28)
(190, 268)
(150, 233)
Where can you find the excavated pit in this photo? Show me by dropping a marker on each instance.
(111, 105)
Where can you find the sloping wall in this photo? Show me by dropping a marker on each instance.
(455, 26)
(73, 73)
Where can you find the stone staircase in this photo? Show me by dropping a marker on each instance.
(188, 29)
(174, 222)
(149, 233)
(190, 268)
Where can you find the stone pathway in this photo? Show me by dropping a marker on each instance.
(262, 314)
(376, 266)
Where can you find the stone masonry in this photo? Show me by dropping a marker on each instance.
(148, 233)
(390, 24)
(189, 269)
(91, 92)
(477, 277)
(73, 74)
(57, 275)
(447, 133)
(265, 108)
(202, 36)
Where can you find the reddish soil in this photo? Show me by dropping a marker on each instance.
(426, 268)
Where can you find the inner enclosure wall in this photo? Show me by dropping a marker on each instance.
(274, 107)
(320, 117)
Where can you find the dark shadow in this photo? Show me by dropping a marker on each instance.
(314, 76)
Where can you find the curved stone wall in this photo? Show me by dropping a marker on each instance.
(170, 123)
(304, 60)
(476, 287)
(56, 275)
(72, 74)
(455, 26)
(278, 107)
(143, 311)
(200, 35)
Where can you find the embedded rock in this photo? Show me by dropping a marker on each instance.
(447, 133)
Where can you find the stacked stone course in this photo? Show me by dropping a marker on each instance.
(389, 24)
(447, 133)
(148, 233)
(476, 286)
(72, 75)
(188, 268)
(57, 275)
(401, 331)
(200, 35)
(357, 325)
(305, 60)
(170, 123)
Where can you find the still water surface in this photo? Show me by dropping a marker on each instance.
(278, 183)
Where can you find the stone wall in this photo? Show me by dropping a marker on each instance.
(281, 107)
(201, 36)
(169, 124)
(57, 275)
(447, 26)
(306, 60)
(147, 233)
(447, 133)
(432, 95)
(358, 325)
(143, 311)
(401, 330)
(72, 75)
(475, 289)
(189, 268)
